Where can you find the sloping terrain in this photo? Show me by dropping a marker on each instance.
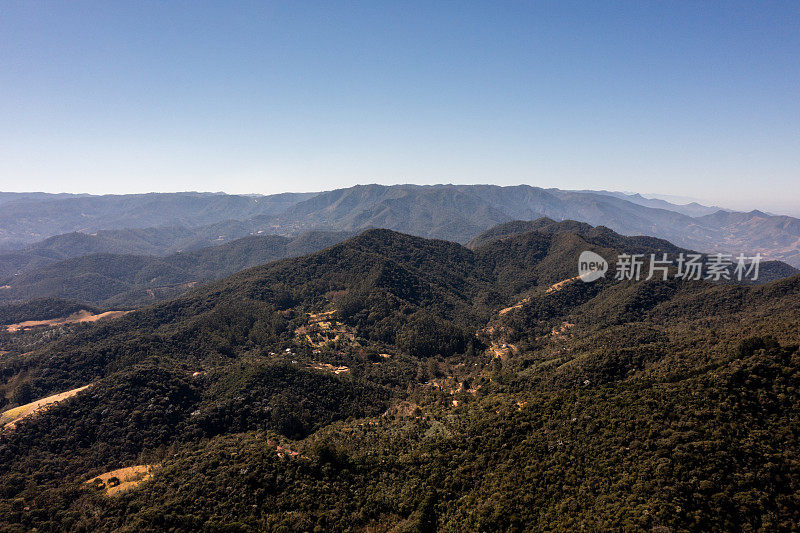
(9, 419)
(123, 479)
(660, 405)
(768, 270)
(6, 197)
(453, 212)
(517, 227)
(692, 209)
(459, 212)
(74, 318)
(29, 218)
(132, 241)
(42, 309)
(110, 280)
(779, 236)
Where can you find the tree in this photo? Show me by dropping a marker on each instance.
(23, 394)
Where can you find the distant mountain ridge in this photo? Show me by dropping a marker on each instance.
(454, 212)
(31, 219)
(6, 197)
(451, 212)
(692, 209)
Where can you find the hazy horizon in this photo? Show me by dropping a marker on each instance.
(674, 199)
(692, 100)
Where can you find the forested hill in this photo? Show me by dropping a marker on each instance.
(769, 270)
(125, 280)
(165, 223)
(394, 382)
(515, 227)
(160, 241)
(459, 212)
(392, 289)
(29, 218)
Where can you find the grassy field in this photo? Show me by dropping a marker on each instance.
(123, 479)
(8, 419)
(80, 316)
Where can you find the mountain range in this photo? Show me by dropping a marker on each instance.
(128, 280)
(392, 382)
(29, 218)
(166, 223)
(691, 208)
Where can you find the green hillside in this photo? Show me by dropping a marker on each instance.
(126, 280)
(391, 382)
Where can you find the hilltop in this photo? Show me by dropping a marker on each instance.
(127, 280)
(166, 223)
(432, 384)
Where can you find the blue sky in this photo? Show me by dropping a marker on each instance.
(694, 99)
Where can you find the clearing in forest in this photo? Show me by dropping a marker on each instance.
(74, 318)
(555, 287)
(123, 479)
(10, 418)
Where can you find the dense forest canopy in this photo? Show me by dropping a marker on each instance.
(391, 382)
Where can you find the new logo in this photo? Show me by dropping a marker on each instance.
(591, 266)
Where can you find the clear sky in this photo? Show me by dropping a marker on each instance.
(695, 99)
